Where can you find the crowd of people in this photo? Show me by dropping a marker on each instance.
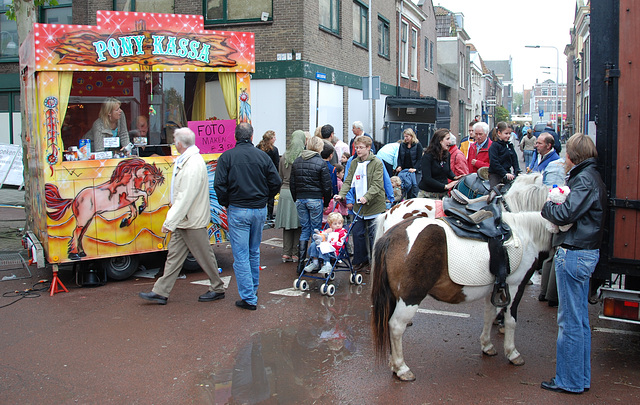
(321, 179)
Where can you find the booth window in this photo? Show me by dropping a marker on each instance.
(230, 11)
(59, 14)
(145, 6)
(330, 16)
(8, 37)
(360, 24)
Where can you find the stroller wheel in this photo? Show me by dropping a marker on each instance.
(358, 279)
(332, 276)
(304, 286)
(323, 289)
(296, 284)
(331, 289)
(352, 279)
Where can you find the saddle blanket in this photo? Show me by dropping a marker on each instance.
(469, 258)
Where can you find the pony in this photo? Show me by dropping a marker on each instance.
(414, 259)
(527, 193)
(131, 179)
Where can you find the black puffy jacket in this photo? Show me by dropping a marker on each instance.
(584, 208)
(310, 178)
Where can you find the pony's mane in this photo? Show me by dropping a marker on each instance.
(124, 167)
(534, 225)
(527, 193)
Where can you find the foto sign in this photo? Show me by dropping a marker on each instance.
(214, 136)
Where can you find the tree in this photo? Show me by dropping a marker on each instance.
(25, 15)
(518, 101)
(502, 114)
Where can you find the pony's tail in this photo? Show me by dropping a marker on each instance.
(53, 200)
(379, 228)
(382, 299)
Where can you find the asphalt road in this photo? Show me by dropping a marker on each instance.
(106, 345)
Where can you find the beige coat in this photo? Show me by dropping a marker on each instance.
(190, 193)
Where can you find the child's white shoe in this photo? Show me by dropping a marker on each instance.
(311, 267)
(326, 268)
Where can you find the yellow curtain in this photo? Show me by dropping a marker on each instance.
(64, 83)
(228, 84)
(199, 100)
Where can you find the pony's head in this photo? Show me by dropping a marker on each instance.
(527, 193)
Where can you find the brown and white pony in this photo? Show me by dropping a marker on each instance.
(411, 261)
(527, 193)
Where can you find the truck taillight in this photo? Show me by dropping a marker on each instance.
(617, 308)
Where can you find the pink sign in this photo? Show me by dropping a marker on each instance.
(214, 136)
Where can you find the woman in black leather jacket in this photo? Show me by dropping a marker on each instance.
(410, 158)
(576, 258)
(311, 189)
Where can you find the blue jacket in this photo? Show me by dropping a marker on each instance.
(539, 167)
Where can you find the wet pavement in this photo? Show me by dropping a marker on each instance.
(106, 345)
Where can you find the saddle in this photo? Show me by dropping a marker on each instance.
(479, 220)
(473, 185)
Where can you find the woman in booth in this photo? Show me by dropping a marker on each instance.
(110, 123)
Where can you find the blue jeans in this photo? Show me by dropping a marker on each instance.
(310, 215)
(245, 234)
(573, 347)
(528, 155)
(314, 251)
(359, 231)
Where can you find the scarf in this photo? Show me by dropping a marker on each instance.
(296, 146)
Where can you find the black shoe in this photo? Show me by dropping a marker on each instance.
(210, 296)
(553, 304)
(245, 305)
(551, 386)
(151, 296)
(542, 297)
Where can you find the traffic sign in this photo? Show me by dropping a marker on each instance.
(321, 76)
(541, 113)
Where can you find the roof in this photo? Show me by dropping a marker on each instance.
(501, 67)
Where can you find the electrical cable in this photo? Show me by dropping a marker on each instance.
(33, 292)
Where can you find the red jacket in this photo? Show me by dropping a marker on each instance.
(459, 165)
(482, 156)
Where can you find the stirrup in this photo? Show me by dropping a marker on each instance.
(458, 197)
(500, 297)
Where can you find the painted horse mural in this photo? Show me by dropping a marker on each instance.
(132, 179)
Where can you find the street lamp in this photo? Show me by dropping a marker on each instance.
(557, 74)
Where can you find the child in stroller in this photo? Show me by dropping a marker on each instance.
(326, 244)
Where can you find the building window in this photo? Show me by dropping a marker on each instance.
(330, 15)
(431, 56)
(60, 14)
(228, 11)
(8, 38)
(544, 92)
(414, 53)
(426, 53)
(404, 50)
(360, 24)
(145, 6)
(383, 37)
(463, 64)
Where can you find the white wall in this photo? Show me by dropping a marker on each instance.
(330, 102)
(269, 110)
(379, 112)
(358, 111)
(4, 123)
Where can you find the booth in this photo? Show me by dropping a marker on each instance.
(106, 199)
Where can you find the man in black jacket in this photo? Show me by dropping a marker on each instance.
(556, 138)
(245, 179)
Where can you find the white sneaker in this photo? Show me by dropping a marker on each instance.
(326, 268)
(311, 267)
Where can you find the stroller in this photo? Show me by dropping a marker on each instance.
(342, 262)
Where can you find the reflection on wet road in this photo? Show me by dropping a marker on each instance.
(294, 364)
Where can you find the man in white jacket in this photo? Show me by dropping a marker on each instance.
(187, 220)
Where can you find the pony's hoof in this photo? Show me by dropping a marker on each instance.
(82, 254)
(406, 376)
(141, 208)
(124, 222)
(74, 256)
(490, 352)
(518, 361)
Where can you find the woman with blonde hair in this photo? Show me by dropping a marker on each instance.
(409, 158)
(111, 123)
(267, 145)
(310, 186)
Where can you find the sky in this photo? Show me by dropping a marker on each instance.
(502, 28)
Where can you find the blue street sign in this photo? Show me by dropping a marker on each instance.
(321, 76)
(541, 113)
